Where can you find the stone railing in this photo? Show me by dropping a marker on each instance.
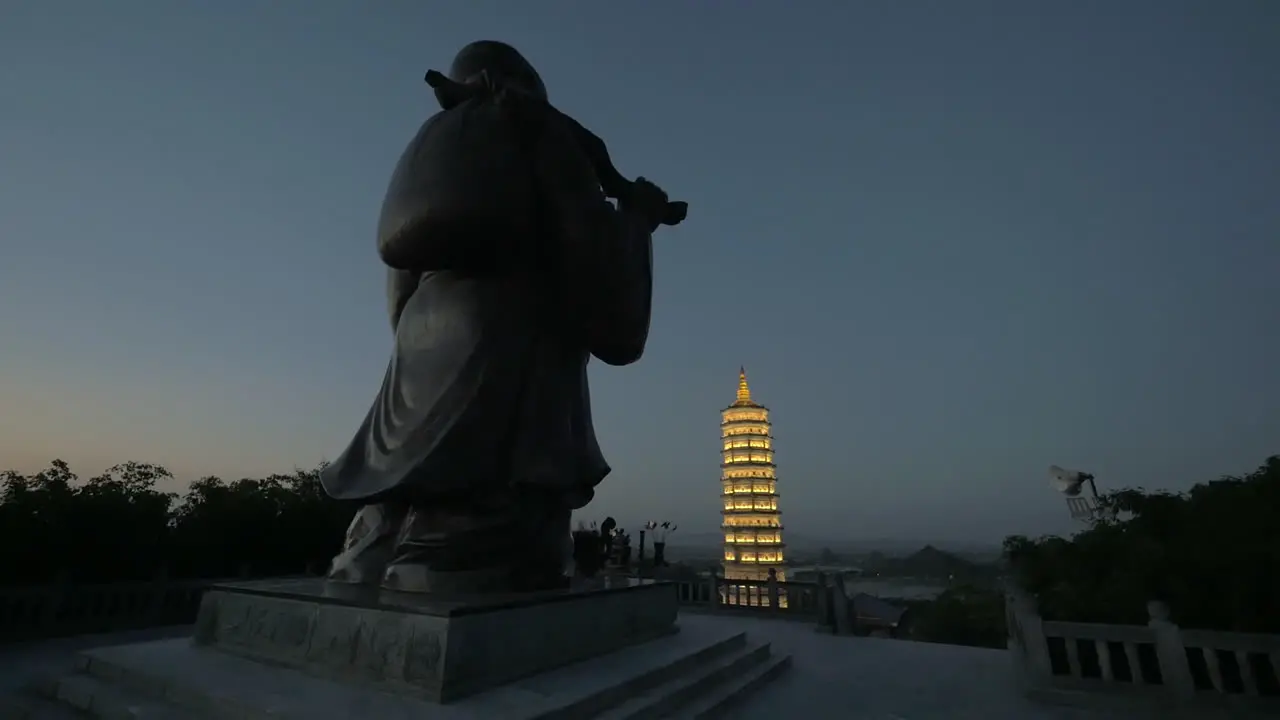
(822, 602)
(46, 611)
(1096, 664)
(59, 610)
(791, 599)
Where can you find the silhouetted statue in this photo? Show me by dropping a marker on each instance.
(588, 552)
(606, 539)
(509, 269)
(624, 553)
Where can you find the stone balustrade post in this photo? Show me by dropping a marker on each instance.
(713, 587)
(822, 601)
(773, 590)
(1175, 671)
(159, 587)
(1027, 642)
(54, 601)
(841, 607)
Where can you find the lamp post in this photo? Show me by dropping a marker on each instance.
(640, 554)
(660, 532)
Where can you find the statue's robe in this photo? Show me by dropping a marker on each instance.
(487, 385)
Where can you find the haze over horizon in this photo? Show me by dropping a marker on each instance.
(952, 243)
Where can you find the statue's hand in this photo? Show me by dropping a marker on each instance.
(647, 202)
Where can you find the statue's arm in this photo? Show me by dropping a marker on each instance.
(401, 285)
(623, 282)
(604, 256)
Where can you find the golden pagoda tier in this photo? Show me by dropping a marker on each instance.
(751, 521)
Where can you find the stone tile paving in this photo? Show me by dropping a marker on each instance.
(847, 678)
(841, 678)
(20, 663)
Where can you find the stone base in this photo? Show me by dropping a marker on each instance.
(701, 671)
(429, 646)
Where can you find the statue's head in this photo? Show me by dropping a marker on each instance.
(504, 64)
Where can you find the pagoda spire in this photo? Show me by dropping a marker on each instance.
(744, 392)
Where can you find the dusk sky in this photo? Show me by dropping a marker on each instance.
(952, 242)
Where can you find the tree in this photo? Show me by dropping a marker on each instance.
(118, 523)
(1209, 553)
(117, 526)
(963, 615)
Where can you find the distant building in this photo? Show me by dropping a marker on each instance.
(751, 521)
(876, 617)
(809, 573)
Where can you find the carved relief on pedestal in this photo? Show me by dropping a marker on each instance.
(423, 655)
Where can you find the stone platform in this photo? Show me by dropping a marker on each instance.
(438, 648)
(304, 649)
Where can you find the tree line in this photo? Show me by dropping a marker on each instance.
(118, 527)
(1212, 554)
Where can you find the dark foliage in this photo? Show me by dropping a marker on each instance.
(1210, 553)
(962, 615)
(118, 527)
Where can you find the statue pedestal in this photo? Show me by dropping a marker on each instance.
(435, 648)
(309, 649)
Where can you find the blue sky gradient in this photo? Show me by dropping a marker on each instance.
(952, 242)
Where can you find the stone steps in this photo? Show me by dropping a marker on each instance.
(29, 705)
(683, 689)
(623, 677)
(99, 698)
(724, 699)
(697, 671)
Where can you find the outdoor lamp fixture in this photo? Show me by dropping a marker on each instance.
(1069, 483)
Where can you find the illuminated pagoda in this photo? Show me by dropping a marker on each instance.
(751, 523)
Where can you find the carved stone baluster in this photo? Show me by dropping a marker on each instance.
(1215, 672)
(1104, 660)
(1135, 668)
(1246, 673)
(1073, 656)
